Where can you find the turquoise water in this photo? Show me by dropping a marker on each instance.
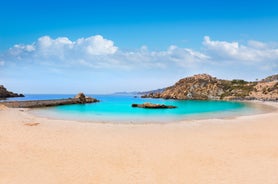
(117, 108)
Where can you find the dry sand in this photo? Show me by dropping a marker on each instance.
(43, 151)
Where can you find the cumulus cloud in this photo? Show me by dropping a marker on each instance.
(185, 55)
(97, 45)
(46, 47)
(98, 52)
(257, 45)
(254, 51)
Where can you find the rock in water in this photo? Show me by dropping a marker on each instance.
(153, 106)
(85, 99)
(81, 97)
(91, 100)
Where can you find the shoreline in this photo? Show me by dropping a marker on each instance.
(40, 150)
(270, 105)
(273, 109)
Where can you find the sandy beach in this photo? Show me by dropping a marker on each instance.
(46, 151)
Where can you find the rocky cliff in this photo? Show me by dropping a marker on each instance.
(206, 87)
(4, 93)
(266, 89)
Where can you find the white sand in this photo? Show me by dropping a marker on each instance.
(43, 151)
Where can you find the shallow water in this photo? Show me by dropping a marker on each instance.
(117, 108)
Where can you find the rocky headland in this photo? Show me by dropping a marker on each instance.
(206, 87)
(4, 93)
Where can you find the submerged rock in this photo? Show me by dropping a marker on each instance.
(153, 106)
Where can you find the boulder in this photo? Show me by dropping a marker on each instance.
(85, 99)
(81, 97)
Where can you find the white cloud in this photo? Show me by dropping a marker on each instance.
(97, 45)
(65, 62)
(46, 42)
(221, 47)
(255, 51)
(64, 48)
(257, 45)
(98, 53)
(185, 55)
(20, 49)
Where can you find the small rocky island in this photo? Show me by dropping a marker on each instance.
(153, 106)
(78, 99)
(206, 87)
(4, 93)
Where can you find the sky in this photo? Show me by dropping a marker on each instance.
(102, 46)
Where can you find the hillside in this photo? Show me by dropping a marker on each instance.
(4, 93)
(206, 87)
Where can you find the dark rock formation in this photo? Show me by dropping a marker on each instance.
(153, 106)
(48, 103)
(81, 97)
(206, 87)
(4, 93)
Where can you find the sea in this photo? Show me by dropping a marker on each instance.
(116, 108)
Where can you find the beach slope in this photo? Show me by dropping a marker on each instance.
(39, 150)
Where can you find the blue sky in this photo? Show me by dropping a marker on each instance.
(107, 46)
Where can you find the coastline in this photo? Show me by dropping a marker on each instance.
(243, 149)
(258, 107)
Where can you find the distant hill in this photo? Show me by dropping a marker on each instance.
(4, 93)
(126, 93)
(206, 87)
(152, 91)
(135, 93)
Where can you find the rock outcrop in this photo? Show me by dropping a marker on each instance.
(4, 93)
(85, 99)
(266, 89)
(153, 106)
(206, 87)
